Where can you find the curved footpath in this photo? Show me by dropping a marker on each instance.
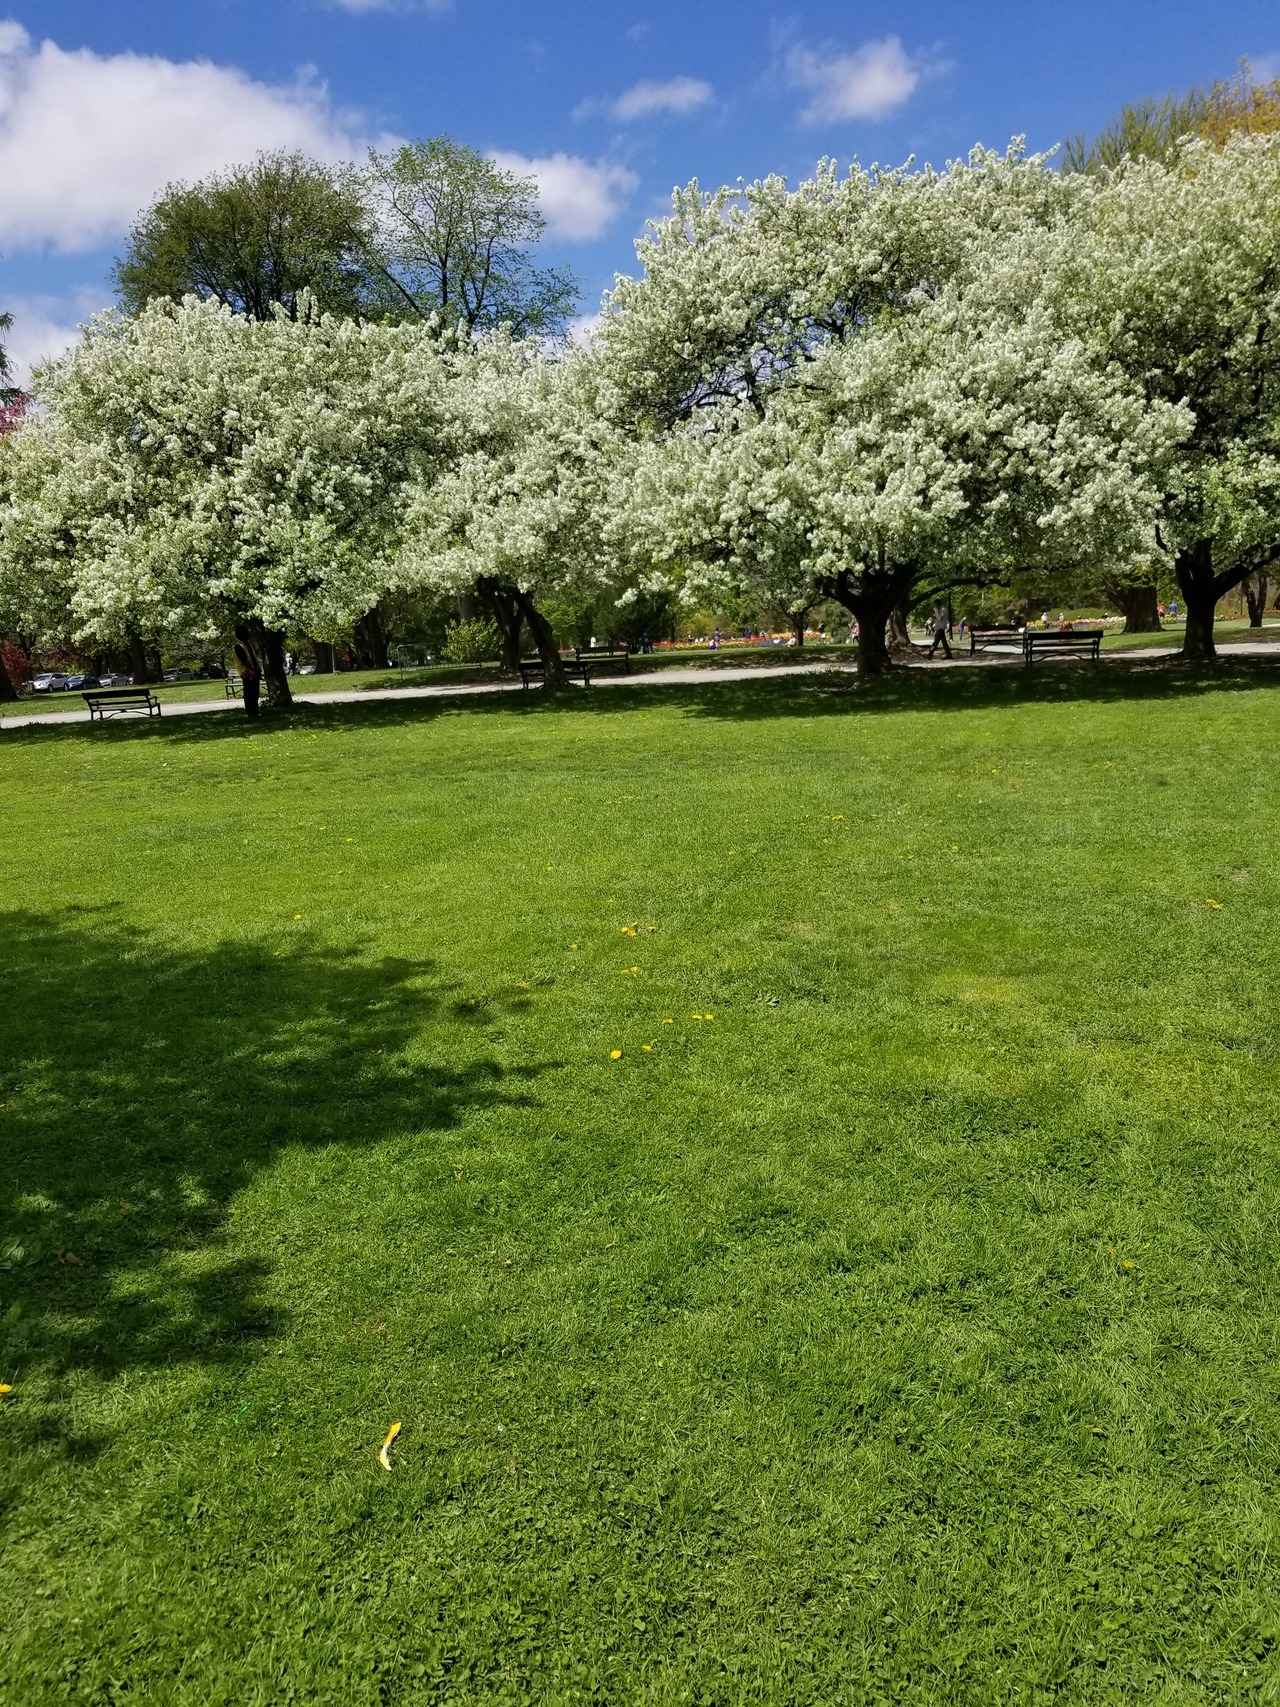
(697, 674)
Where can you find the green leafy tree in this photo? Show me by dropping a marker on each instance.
(454, 234)
(253, 237)
(1152, 129)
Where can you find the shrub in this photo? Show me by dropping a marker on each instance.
(474, 642)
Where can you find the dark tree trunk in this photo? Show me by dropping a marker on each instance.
(899, 636)
(503, 603)
(1255, 596)
(7, 689)
(1139, 606)
(543, 638)
(324, 657)
(371, 641)
(268, 643)
(872, 602)
(797, 625)
(139, 663)
(1199, 587)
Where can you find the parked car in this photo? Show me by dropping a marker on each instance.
(48, 681)
(74, 684)
(306, 669)
(113, 679)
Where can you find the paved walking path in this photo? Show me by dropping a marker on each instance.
(696, 674)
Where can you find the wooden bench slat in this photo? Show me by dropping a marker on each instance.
(1063, 640)
(119, 702)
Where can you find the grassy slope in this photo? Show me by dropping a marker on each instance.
(906, 1332)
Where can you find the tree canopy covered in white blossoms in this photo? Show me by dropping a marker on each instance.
(871, 388)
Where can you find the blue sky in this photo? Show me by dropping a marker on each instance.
(608, 105)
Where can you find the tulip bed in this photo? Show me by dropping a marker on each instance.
(797, 1158)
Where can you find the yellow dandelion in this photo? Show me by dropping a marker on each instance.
(615, 1054)
(1210, 902)
(297, 915)
(573, 945)
(5, 1387)
(647, 1047)
(668, 1022)
(708, 1016)
(522, 986)
(695, 1016)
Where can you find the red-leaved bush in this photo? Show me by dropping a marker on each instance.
(17, 666)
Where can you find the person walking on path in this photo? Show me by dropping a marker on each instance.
(940, 622)
(250, 674)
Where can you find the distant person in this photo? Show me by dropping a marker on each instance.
(250, 674)
(646, 641)
(940, 622)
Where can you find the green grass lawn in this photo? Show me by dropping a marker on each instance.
(893, 1319)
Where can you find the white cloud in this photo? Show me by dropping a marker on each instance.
(676, 95)
(87, 139)
(870, 83)
(583, 329)
(579, 200)
(44, 326)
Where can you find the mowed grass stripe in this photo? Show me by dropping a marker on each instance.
(903, 1331)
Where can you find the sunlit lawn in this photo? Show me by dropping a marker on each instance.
(798, 1158)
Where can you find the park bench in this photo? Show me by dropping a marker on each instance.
(983, 639)
(117, 702)
(534, 670)
(1049, 641)
(609, 654)
(234, 687)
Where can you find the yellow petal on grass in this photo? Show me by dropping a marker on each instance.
(615, 1054)
(297, 915)
(384, 1451)
(668, 1022)
(1210, 902)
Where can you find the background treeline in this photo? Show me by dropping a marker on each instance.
(339, 407)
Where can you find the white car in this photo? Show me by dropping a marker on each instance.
(48, 681)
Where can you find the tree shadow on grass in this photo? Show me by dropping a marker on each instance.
(837, 693)
(142, 1086)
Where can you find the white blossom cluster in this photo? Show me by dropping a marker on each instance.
(875, 385)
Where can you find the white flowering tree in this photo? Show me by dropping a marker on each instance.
(1173, 270)
(194, 469)
(954, 444)
(35, 590)
(855, 391)
(523, 515)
